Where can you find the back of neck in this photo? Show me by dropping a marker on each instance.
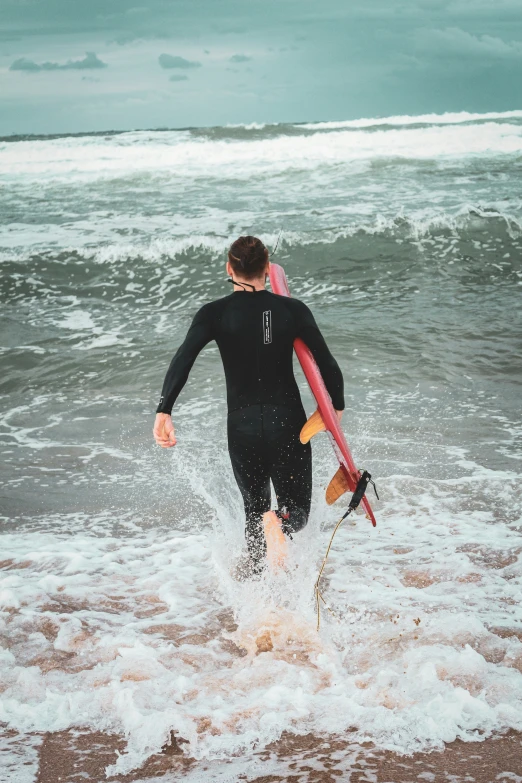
(247, 285)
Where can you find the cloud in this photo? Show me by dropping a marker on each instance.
(456, 42)
(25, 65)
(171, 61)
(89, 61)
(178, 77)
(240, 58)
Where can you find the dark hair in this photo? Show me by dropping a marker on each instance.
(248, 257)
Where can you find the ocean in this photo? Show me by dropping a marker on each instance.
(119, 612)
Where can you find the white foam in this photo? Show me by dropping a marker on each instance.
(447, 118)
(174, 155)
(347, 180)
(76, 320)
(415, 223)
(104, 341)
(19, 754)
(248, 125)
(410, 658)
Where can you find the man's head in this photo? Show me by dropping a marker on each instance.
(247, 259)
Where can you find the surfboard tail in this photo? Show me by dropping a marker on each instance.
(344, 480)
(339, 485)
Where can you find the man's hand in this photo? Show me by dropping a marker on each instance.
(164, 431)
(339, 415)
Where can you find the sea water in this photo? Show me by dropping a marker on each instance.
(119, 610)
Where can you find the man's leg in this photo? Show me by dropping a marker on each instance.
(291, 473)
(247, 455)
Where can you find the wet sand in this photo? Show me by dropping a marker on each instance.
(72, 756)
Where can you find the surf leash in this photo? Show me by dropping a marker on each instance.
(360, 490)
(274, 251)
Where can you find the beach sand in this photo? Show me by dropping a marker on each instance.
(71, 756)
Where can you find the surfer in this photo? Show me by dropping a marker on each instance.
(255, 331)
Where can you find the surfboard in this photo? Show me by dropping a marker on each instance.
(325, 417)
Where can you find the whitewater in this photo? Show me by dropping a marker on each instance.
(119, 609)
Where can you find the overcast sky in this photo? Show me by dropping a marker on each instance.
(71, 65)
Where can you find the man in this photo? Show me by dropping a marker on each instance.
(255, 331)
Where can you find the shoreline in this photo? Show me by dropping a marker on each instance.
(75, 755)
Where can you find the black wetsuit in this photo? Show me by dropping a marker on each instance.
(255, 332)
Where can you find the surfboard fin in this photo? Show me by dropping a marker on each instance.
(314, 425)
(337, 487)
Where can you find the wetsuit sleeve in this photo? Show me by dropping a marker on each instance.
(199, 334)
(310, 334)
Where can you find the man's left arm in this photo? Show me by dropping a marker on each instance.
(311, 335)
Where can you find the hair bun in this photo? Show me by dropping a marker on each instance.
(248, 256)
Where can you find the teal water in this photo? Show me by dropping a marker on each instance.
(405, 238)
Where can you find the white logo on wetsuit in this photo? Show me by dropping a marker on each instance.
(267, 327)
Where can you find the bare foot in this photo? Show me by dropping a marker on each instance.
(276, 544)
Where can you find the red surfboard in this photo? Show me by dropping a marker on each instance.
(325, 417)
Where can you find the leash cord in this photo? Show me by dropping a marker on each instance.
(318, 595)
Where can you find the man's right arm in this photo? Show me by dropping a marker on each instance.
(199, 334)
